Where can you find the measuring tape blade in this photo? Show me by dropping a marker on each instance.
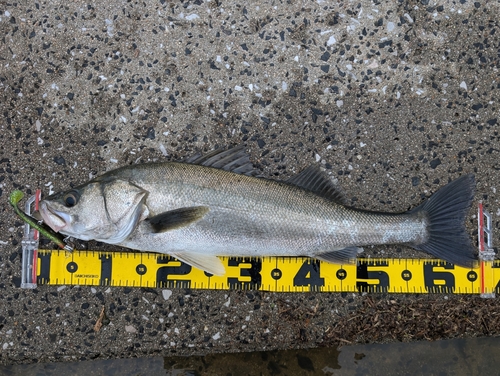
(279, 274)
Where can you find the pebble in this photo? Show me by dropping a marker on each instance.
(130, 329)
(166, 294)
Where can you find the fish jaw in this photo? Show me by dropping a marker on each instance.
(55, 219)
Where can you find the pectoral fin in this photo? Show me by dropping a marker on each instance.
(177, 218)
(208, 263)
(342, 256)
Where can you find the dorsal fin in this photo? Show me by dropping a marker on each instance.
(316, 181)
(234, 160)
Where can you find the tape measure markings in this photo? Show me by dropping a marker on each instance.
(280, 274)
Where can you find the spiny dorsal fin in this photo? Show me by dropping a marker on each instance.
(177, 218)
(234, 160)
(316, 181)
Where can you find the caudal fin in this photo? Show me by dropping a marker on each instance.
(446, 210)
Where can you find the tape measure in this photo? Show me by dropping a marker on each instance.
(280, 274)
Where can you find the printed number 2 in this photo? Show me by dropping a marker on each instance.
(309, 275)
(164, 272)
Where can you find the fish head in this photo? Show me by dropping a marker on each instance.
(106, 210)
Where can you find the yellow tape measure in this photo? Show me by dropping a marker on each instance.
(280, 274)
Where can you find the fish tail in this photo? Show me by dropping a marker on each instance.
(446, 210)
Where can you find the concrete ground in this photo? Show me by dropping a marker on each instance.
(393, 99)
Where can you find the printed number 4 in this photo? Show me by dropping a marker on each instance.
(309, 275)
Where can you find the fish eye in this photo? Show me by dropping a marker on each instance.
(71, 199)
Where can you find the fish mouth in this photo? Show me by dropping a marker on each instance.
(55, 219)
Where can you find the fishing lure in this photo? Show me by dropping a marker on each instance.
(44, 230)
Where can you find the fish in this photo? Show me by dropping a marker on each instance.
(218, 205)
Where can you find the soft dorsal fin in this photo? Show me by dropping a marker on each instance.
(234, 160)
(316, 181)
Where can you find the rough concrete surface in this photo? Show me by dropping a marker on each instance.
(393, 98)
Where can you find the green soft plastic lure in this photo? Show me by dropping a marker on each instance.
(46, 231)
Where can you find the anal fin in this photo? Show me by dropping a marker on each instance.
(341, 256)
(207, 263)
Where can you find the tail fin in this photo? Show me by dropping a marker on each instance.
(446, 211)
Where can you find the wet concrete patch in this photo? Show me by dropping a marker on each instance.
(472, 356)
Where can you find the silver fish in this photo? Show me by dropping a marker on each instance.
(212, 206)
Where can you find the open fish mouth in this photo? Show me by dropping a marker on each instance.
(56, 220)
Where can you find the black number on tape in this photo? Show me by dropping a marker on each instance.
(380, 276)
(106, 268)
(439, 281)
(164, 274)
(309, 275)
(253, 272)
(44, 270)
